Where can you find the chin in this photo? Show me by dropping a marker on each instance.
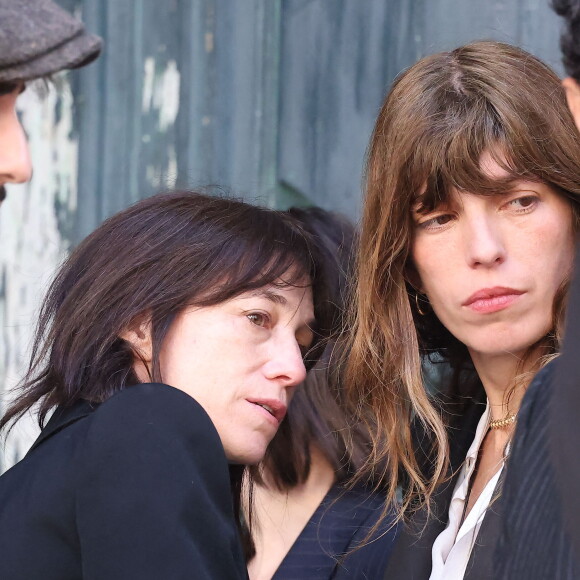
(509, 341)
(248, 455)
(496, 348)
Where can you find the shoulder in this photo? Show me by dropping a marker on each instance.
(155, 402)
(373, 533)
(153, 490)
(154, 424)
(153, 408)
(357, 511)
(153, 441)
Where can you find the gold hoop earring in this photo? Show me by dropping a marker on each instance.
(417, 304)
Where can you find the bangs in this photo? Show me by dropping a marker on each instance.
(266, 257)
(280, 269)
(456, 151)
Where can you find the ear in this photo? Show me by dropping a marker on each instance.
(138, 335)
(572, 89)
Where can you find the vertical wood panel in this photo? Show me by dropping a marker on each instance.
(274, 99)
(333, 80)
(335, 76)
(35, 229)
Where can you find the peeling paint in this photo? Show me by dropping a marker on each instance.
(171, 172)
(166, 97)
(148, 82)
(161, 92)
(153, 176)
(35, 230)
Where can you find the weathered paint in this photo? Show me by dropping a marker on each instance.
(274, 99)
(35, 229)
(161, 92)
(339, 57)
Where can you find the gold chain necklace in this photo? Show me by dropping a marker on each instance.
(499, 423)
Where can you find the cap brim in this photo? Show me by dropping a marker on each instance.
(75, 52)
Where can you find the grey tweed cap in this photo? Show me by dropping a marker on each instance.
(39, 38)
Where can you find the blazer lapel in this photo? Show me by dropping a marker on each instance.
(412, 558)
(480, 565)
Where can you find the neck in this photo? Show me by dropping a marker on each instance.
(320, 478)
(280, 516)
(500, 374)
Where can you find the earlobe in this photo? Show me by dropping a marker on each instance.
(573, 97)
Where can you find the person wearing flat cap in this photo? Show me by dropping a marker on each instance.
(37, 39)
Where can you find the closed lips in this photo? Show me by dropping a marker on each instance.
(489, 293)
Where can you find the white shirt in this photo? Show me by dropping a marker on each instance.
(452, 548)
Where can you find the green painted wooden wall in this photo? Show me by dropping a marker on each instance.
(272, 99)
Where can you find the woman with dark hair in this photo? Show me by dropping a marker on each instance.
(467, 242)
(129, 477)
(307, 522)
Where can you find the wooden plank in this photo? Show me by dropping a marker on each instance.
(273, 99)
(35, 229)
(333, 79)
(339, 58)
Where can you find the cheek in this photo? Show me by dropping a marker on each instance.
(432, 271)
(552, 254)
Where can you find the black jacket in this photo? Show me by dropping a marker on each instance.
(134, 488)
(533, 540)
(411, 558)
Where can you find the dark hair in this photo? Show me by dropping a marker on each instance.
(570, 36)
(153, 260)
(317, 414)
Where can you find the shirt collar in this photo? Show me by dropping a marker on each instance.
(480, 432)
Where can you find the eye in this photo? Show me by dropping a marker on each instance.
(260, 319)
(436, 222)
(523, 203)
(9, 88)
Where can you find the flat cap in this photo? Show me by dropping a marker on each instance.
(39, 38)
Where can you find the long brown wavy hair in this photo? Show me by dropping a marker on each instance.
(440, 116)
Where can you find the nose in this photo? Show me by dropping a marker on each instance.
(15, 164)
(483, 242)
(285, 364)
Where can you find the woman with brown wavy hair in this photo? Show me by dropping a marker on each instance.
(470, 217)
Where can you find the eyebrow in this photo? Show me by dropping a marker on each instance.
(271, 296)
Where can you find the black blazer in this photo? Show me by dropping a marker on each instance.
(411, 558)
(533, 540)
(134, 488)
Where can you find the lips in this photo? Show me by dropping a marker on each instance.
(489, 300)
(274, 407)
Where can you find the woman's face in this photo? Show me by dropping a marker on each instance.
(491, 265)
(241, 361)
